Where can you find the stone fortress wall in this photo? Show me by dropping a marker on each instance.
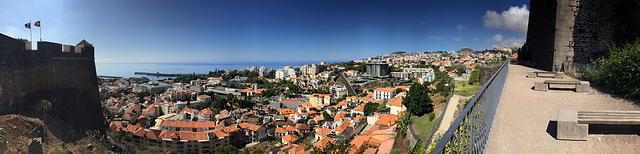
(577, 31)
(65, 75)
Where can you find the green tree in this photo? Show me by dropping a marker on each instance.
(281, 106)
(326, 116)
(474, 78)
(370, 107)
(418, 101)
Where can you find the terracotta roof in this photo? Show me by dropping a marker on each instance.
(220, 133)
(386, 119)
(153, 134)
(204, 96)
(207, 112)
(318, 118)
(366, 99)
(246, 90)
(339, 115)
(287, 111)
(396, 101)
(232, 128)
(290, 128)
(290, 138)
(358, 141)
(280, 130)
(359, 108)
(302, 126)
(359, 117)
(189, 124)
(386, 89)
(323, 142)
(249, 126)
(323, 132)
(342, 126)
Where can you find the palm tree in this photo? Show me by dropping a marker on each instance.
(45, 106)
(403, 122)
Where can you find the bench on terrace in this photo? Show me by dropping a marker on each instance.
(543, 85)
(534, 74)
(574, 125)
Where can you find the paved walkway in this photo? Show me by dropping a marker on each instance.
(526, 119)
(448, 118)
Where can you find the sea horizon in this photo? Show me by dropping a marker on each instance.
(128, 69)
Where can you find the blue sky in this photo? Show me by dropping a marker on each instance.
(150, 31)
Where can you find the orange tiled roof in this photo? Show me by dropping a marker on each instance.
(386, 89)
(290, 138)
(280, 130)
(323, 142)
(189, 124)
(323, 132)
(386, 119)
(249, 126)
(287, 111)
(207, 112)
(396, 101)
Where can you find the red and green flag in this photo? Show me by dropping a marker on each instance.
(37, 23)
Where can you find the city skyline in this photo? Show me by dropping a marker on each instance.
(276, 31)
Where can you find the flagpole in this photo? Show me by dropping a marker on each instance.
(30, 35)
(40, 26)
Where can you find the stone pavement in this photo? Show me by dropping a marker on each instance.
(526, 119)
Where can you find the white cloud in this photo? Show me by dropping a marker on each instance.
(457, 38)
(435, 38)
(497, 38)
(475, 39)
(510, 43)
(515, 19)
(462, 27)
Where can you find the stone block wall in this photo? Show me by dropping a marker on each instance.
(577, 30)
(68, 80)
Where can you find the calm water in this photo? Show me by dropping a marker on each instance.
(128, 69)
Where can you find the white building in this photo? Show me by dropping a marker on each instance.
(281, 74)
(384, 93)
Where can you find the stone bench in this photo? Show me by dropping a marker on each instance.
(534, 74)
(574, 125)
(543, 85)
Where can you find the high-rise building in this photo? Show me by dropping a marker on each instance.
(378, 68)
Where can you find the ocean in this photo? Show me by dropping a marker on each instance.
(127, 70)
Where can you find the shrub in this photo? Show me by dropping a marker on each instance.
(620, 71)
(431, 116)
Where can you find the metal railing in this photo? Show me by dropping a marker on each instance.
(469, 133)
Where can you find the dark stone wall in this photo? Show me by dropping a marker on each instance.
(594, 26)
(601, 23)
(540, 34)
(68, 80)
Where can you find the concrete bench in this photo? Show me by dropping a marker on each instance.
(543, 85)
(574, 125)
(534, 74)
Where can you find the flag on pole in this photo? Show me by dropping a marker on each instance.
(27, 25)
(37, 23)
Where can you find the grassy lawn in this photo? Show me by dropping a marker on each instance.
(463, 88)
(422, 125)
